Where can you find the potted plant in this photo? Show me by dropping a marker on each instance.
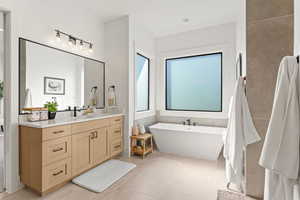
(52, 108)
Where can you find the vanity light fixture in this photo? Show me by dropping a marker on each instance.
(73, 40)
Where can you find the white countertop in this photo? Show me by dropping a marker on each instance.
(68, 120)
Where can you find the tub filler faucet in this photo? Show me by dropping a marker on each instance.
(189, 122)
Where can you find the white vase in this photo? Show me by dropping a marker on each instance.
(28, 99)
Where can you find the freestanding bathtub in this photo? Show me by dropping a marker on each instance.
(193, 141)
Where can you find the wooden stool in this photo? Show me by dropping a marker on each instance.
(145, 146)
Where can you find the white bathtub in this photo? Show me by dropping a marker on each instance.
(193, 141)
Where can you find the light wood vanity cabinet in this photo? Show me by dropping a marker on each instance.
(100, 146)
(82, 152)
(89, 149)
(115, 139)
(50, 157)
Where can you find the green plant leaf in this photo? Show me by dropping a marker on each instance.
(51, 105)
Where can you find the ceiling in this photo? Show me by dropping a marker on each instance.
(163, 17)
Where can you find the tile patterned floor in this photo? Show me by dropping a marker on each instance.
(158, 177)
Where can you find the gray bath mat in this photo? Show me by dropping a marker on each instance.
(103, 176)
(227, 195)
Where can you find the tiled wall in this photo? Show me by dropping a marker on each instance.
(269, 38)
(198, 121)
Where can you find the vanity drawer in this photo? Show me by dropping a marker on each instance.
(116, 120)
(116, 132)
(56, 132)
(116, 147)
(54, 150)
(56, 173)
(90, 125)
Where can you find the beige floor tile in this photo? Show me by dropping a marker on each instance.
(127, 195)
(158, 177)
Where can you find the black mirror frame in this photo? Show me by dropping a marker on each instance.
(19, 68)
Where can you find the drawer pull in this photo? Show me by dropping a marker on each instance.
(117, 120)
(58, 149)
(117, 146)
(58, 173)
(94, 135)
(57, 132)
(118, 131)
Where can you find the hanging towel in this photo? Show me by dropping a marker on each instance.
(280, 153)
(240, 133)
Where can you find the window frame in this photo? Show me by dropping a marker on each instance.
(191, 56)
(148, 99)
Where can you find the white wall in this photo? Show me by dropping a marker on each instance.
(145, 44)
(35, 20)
(201, 41)
(117, 53)
(123, 39)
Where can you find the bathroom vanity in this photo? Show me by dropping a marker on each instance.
(53, 152)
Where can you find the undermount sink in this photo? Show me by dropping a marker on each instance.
(91, 115)
(88, 116)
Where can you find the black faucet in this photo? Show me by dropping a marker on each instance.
(189, 122)
(75, 111)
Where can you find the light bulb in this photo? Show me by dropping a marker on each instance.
(58, 35)
(72, 41)
(81, 45)
(91, 48)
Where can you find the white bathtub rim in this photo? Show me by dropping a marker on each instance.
(186, 131)
(219, 130)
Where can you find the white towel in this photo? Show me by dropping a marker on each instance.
(240, 133)
(280, 154)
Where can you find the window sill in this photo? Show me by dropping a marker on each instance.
(144, 114)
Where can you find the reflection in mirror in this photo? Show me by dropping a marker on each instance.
(47, 73)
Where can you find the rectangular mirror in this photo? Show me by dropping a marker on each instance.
(47, 73)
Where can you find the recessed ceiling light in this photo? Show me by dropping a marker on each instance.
(186, 20)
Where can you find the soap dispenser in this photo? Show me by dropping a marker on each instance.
(111, 96)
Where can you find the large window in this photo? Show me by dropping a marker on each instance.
(142, 82)
(194, 83)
